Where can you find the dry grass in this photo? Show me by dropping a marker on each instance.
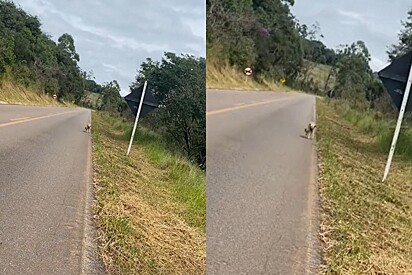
(151, 210)
(366, 224)
(12, 93)
(226, 77)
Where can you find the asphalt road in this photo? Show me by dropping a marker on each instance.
(261, 189)
(45, 192)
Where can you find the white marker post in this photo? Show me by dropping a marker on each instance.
(398, 124)
(137, 117)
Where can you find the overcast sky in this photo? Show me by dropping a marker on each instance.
(114, 37)
(376, 22)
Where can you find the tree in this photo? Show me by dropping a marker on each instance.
(66, 45)
(111, 98)
(178, 84)
(312, 49)
(7, 56)
(374, 91)
(71, 83)
(279, 54)
(354, 79)
(405, 40)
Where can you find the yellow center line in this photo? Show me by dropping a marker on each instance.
(34, 118)
(19, 118)
(210, 113)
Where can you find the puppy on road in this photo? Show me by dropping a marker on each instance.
(310, 130)
(87, 128)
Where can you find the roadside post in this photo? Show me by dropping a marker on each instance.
(397, 79)
(141, 102)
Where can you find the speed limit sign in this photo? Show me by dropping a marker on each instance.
(248, 71)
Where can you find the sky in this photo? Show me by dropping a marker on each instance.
(376, 22)
(114, 37)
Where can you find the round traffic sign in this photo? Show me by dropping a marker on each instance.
(248, 71)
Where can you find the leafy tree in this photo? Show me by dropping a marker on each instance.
(228, 24)
(111, 98)
(67, 49)
(7, 56)
(354, 79)
(375, 90)
(70, 80)
(405, 40)
(311, 51)
(178, 83)
(279, 53)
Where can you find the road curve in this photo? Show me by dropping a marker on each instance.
(261, 193)
(45, 187)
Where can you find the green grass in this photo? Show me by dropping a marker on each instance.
(374, 124)
(366, 225)
(151, 210)
(188, 180)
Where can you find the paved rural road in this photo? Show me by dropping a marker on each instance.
(261, 193)
(45, 185)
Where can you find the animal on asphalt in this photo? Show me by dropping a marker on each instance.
(310, 130)
(88, 127)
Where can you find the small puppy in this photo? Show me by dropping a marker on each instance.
(310, 130)
(88, 127)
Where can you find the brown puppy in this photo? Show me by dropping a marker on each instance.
(310, 130)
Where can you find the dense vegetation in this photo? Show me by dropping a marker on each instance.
(265, 35)
(178, 83)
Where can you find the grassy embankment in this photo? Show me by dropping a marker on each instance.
(226, 77)
(12, 93)
(151, 205)
(366, 224)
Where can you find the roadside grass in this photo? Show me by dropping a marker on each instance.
(366, 225)
(227, 77)
(151, 205)
(13, 93)
(377, 126)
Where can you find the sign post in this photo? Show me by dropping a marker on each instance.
(137, 118)
(398, 124)
(397, 79)
(141, 102)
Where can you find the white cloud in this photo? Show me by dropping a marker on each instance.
(353, 15)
